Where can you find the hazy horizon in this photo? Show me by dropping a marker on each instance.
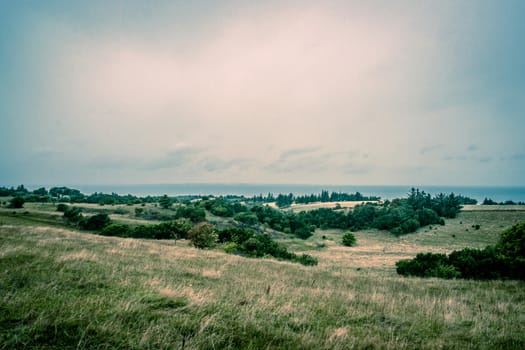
(276, 92)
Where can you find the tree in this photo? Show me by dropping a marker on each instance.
(203, 235)
(41, 191)
(165, 202)
(96, 222)
(349, 239)
(511, 249)
(73, 214)
(17, 202)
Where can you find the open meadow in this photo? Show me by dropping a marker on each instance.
(62, 288)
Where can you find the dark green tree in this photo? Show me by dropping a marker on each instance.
(17, 202)
(349, 239)
(203, 235)
(165, 202)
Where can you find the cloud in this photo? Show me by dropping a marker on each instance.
(430, 148)
(270, 91)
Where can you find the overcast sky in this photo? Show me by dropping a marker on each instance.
(319, 92)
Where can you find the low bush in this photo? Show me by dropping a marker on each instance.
(73, 214)
(306, 260)
(349, 239)
(17, 202)
(95, 222)
(61, 207)
(505, 260)
(203, 235)
(117, 230)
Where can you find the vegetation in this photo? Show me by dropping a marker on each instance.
(247, 243)
(504, 260)
(67, 289)
(488, 201)
(349, 239)
(399, 216)
(203, 235)
(165, 202)
(17, 202)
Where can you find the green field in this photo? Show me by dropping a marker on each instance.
(61, 288)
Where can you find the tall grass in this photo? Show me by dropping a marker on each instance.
(63, 289)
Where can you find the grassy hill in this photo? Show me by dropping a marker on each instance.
(61, 288)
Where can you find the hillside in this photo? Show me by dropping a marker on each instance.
(66, 289)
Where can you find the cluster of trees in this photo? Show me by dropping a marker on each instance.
(71, 195)
(248, 243)
(325, 196)
(488, 201)
(504, 260)
(283, 200)
(399, 216)
(202, 235)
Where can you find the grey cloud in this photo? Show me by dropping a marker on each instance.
(171, 159)
(472, 148)
(430, 148)
(301, 159)
(217, 164)
(518, 156)
(298, 152)
(176, 158)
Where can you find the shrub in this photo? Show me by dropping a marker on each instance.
(349, 239)
(303, 232)
(17, 202)
(203, 235)
(511, 249)
(235, 234)
(118, 230)
(246, 218)
(62, 207)
(165, 202)
(423, 265)
(306, 260)
(230, 247)
(477, 263)
(73, 214)
(96, 222)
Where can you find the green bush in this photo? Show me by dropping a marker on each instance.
(17, 202)
(349, 239)
(306, 260)
(230, 247)
(203, 235)
(118, 230)
(165, 202)
(95, 222)
(511, 249)
(246, 218)
(505, 260)
(73, 214)
(61, 207)
(423, 265)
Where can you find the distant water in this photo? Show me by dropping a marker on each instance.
(498, 194)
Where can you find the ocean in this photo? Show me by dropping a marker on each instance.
(498, 194)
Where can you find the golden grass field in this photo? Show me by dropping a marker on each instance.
(67, 289)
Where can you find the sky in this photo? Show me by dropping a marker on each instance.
(308, 92)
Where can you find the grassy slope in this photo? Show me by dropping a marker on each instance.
(64, 289)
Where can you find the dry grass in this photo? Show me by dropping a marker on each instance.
(65, 289)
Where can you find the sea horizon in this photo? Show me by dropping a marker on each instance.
(496, 193)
